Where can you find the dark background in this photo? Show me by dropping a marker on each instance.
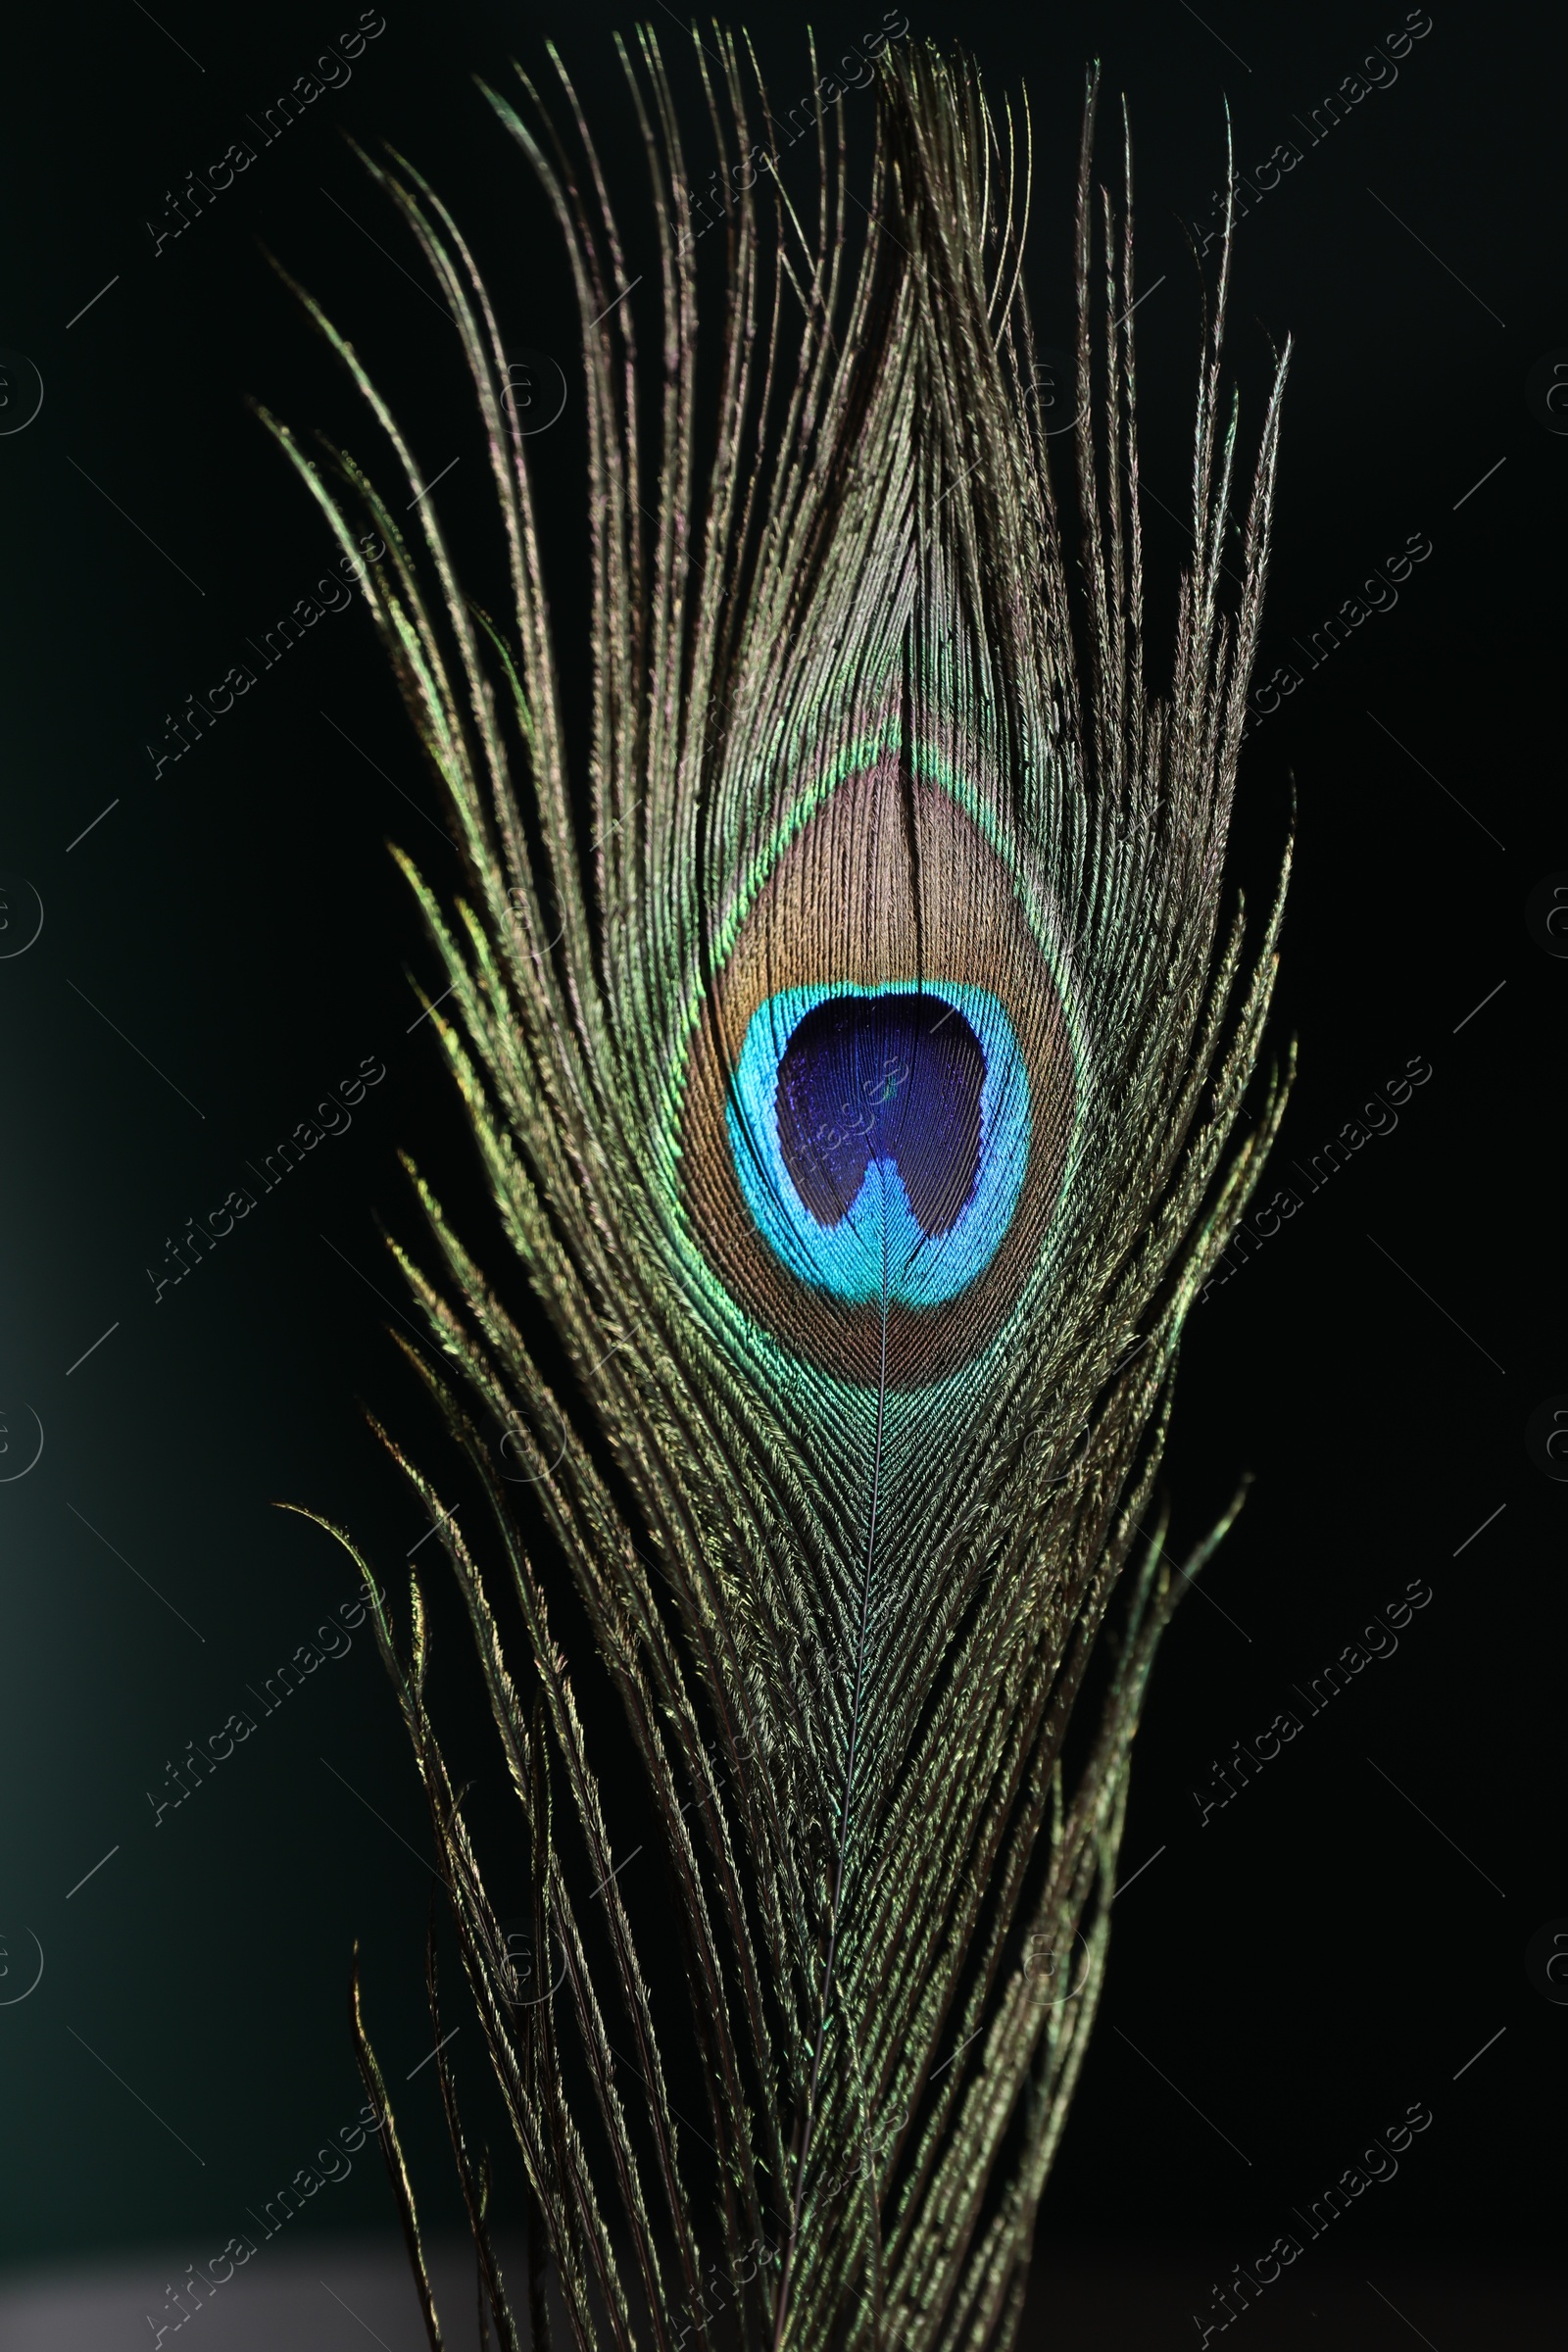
(230, 939)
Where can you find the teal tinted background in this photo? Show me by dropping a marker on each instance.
(236, 923)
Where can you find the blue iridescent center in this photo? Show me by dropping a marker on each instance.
(881, 1136)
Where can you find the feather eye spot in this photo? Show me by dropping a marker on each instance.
(876, 1107)
(880, 1136)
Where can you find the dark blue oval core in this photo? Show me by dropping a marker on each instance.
(894, 1078)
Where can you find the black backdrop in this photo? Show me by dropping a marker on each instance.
(224, 942)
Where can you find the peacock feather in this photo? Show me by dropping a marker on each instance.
(855, 1041)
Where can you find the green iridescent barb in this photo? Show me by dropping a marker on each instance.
(856, 1047)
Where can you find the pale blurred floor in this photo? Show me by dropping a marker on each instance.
(336, 2296)
(324, 2297)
